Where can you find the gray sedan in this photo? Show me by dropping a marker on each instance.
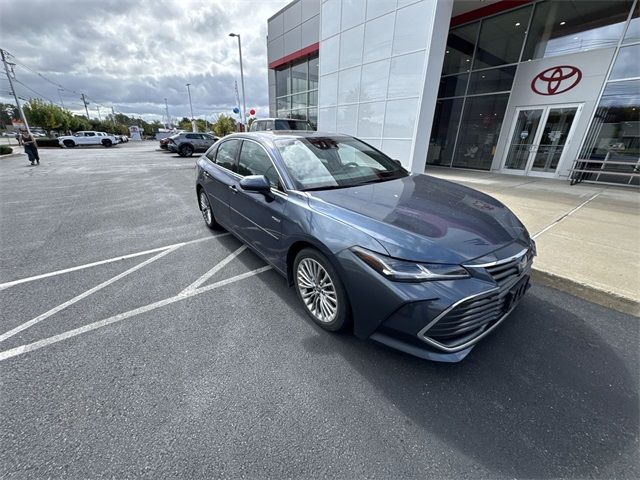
(417, 263)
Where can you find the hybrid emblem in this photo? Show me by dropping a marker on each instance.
(556, 80)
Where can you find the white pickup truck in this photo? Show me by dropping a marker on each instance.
(87, 138)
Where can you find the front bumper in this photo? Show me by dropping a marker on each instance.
(438, 320)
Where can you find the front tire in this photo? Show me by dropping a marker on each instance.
(69, 143)
(207, 211)
(320, 290)
(185, 151)
(107, 143)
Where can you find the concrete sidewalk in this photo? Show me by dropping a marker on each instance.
(588, 236)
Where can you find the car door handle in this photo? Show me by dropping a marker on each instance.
(233, 188)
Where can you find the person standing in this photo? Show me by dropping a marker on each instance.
(30, 148)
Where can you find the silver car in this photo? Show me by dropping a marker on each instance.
(186, 143)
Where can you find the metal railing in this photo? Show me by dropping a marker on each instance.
(604, 171)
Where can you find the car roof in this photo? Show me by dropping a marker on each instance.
(271, 135)
(285, 119)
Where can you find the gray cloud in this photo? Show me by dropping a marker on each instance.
(134, 54)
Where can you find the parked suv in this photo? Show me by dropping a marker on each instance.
(266, 124)
(185, 144)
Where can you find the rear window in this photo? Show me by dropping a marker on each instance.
(292, 125)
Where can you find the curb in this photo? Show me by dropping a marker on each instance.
(587, 292)
(13, 155)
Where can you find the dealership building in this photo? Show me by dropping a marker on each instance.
(545, 88)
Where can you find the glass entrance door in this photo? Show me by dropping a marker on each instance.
(554, 138)
(539, 137)
(523, 137)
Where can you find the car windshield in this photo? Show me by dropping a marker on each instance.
(292, 125)
(322, 163)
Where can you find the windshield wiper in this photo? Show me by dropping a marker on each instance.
(326, 187)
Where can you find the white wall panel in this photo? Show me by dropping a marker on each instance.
(351, 42)
(378, 38)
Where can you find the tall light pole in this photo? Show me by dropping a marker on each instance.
(244, 108)
(193, 122)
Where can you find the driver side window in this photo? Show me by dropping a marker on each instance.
(254, 160)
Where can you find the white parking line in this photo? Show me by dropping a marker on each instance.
(102, 262)
(123, 316)
(214, 270)
(77, 298)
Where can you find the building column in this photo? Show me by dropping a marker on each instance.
(437, 24)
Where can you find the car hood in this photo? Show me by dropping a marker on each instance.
(425, 219)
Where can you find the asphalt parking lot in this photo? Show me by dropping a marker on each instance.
(137, 343)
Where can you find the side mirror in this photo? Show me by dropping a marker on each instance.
(398, 162)
(255, 183)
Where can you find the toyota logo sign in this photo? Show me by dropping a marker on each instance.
(556, 80)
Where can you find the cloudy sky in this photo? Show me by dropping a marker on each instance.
(133, 53)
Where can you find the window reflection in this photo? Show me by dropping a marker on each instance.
(501, 38)
(297, 90)
(633, 31)
(561, 27)
(494, 80)
(613, 141)
(627, 63)
(443, 133)
(479, 130)
(459, 51)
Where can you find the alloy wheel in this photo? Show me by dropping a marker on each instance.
(317, 290)
(205, 208)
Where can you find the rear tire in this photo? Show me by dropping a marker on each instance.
(185, 151)
(207, 211)
(320, 290)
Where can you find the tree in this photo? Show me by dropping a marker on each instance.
(184, 124)
(224, 125)
(7, 112)
(46, 115)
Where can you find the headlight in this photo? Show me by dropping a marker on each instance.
(406, 271)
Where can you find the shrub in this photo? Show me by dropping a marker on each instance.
(4, 150)
(47, 142)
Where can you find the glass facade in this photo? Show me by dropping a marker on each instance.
(611, 150)
(297, 91)
(477, 75)
(479, 68)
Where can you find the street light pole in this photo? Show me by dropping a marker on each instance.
(244, 107)
(193, 122)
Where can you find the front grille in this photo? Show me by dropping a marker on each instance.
(471, 317)
(507, 274)
(468, 317)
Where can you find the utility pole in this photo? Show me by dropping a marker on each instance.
(61, 101)
(98, 108)
(166, 112)
(113, 116)
(13, 91)
(193, 121)
(84, 101)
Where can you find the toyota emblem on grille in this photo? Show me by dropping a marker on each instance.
(522, 264)
(556, 80)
